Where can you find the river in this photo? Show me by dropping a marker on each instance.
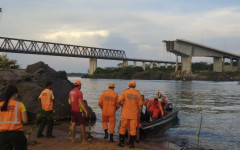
(219, 102)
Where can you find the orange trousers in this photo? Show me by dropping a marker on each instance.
(154, 111)
(112, 122)
(124, 124)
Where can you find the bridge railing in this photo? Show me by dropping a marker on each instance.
(13, 45)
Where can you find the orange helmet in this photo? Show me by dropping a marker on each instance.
(132, 83)
(111, 85)
(77, 82)
(159, 94)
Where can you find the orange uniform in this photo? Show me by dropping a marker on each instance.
(155, 108)
(131, 99)
(10, 120)
(47, 99)
(108, 102)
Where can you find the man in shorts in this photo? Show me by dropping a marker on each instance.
(78, 111)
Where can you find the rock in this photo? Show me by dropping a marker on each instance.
(39, 67)
(31, 82)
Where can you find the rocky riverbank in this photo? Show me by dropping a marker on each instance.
(31, 82)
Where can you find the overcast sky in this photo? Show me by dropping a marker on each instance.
(136, 26)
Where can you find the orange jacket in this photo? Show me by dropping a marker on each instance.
(151, 103)
(10, 120)
(47, 99)
(108, 102)
(131, 99)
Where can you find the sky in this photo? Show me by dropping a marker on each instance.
(136, 26)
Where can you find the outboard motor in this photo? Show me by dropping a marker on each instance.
(169, 107)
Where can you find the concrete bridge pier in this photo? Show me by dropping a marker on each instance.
(125, 63)
(186, 63)
(238, 64)
(159, 65)
(176, 68)
(151, 65)
(166, 66)
(134, 64)
(143, 65)
(93, 65)
(173, 65)
(231, 64)
(217, 64)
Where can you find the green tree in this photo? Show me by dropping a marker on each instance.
(6, 63)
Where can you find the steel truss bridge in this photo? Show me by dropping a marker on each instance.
(13, 45)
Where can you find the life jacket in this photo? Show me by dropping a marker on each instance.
(46, 100)
(10, 120)
(162, 102)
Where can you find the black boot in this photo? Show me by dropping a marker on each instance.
(106, 134)
(111, 138)
(131, 142)
(121, 140)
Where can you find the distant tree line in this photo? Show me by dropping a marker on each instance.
(149, 73)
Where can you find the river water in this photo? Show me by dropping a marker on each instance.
(219, 102)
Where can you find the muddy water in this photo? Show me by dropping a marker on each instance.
(219, 102)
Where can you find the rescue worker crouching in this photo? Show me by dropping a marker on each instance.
(47, 99)
(12, 113)
(154, 108)
(78, 111)
(131, 102)
(108, 102)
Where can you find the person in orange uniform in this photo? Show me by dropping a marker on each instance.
(155, 107)
(131, 102)
(108, 102)
(163, 101)
(78, 111)
(12, 113)
(46, 98)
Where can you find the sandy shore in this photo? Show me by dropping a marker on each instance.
(62, 142)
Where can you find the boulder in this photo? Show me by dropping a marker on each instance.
(31, 82)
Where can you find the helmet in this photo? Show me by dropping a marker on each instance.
(111, 85)
(159, 94)
(77, 83)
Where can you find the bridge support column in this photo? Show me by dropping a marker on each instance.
(151, 65)
(217, 64)
(166, 66)
(238, 64)
(186, 63)
(159, 65)
(176, 68)
(172, 65)
(93, 65)
(125, 63)
(231, 64)
(134, 64)
(143, 65)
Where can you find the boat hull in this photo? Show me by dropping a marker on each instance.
(160, 123)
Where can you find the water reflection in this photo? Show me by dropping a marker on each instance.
(218, 101)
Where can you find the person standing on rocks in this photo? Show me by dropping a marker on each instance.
(12, 113)
(47, 98)
(131, 102)
(78, 110)
(108, 102)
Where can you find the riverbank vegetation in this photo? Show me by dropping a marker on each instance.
(200, 71)
(6, 63)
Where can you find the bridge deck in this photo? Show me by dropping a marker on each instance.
(208, 48)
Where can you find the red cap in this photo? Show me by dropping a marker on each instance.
(111, 85)
(132, 83)
(77, 83)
